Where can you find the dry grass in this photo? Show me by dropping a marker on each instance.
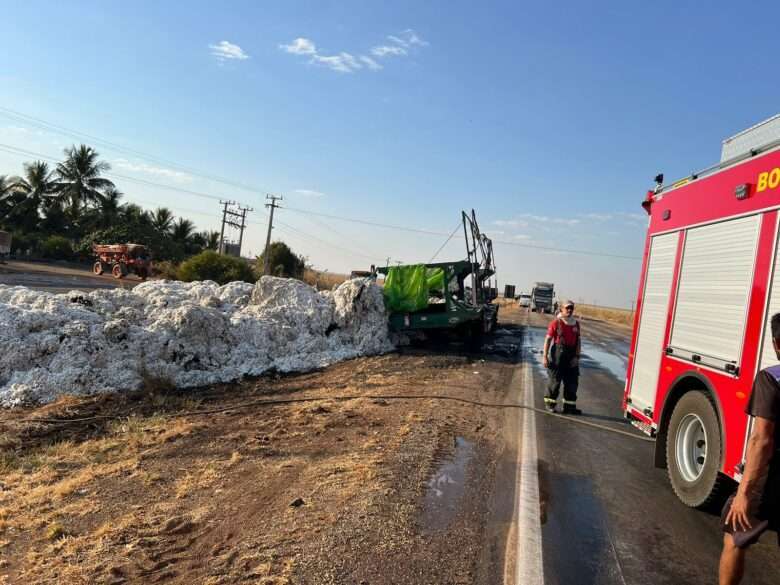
(323, 280)
(619, 316)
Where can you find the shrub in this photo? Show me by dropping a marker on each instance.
(166, 269)
(283, 261)
(56, 248)
(21, 242)
(209, 265)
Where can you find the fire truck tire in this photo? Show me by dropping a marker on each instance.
(97, 268)
(119, 270)
(694, 451)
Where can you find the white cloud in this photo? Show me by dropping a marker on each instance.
(300, 46)
(407, 39)
(144, 168)
(225, 50)
(385, 50)
(309, 193)
(633, 217)
(413, 39)
(344, 62)
(598, 216)
(370, 63)
(511, 223)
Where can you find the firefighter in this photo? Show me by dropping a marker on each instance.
(755, 508)
(562, 359)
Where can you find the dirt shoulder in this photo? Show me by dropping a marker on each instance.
(362, 490)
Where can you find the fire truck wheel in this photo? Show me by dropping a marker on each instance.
(694, 451)
(117, 271)
(98, 268)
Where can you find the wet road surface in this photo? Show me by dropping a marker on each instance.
(59, 278)
(607, 515)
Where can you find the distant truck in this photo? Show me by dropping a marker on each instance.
(5, 245)
(542, 296)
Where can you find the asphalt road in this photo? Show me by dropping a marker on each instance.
(607, 515)
(59, 278)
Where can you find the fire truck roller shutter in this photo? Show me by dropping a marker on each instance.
(768, 357)
(652, 320)
(714, 290)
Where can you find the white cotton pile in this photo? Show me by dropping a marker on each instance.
(190, 334)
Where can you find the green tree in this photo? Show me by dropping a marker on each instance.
(212, 240)
(162, 219)
(56, 248)
(283, 261)
(182, 230)
(109, 206)
(208, 265)
(38, 186)
(80, 180)
(9, 196)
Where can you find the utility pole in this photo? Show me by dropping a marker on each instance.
(243, 211)
(221, 247)
(272, 206)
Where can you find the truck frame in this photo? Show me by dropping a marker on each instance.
(467, 303)
(709, 285)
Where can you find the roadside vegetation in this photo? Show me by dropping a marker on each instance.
(58, 212)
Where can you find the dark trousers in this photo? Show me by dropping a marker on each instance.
(570, 377)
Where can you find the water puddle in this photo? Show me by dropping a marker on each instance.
(446, 487)
(594, 356)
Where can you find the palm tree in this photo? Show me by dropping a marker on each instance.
(182, 230)
(162, 219)
(133, 214)
(79, 178)
(212, 240)
(38, 187)
(7, 189)
(109, 206)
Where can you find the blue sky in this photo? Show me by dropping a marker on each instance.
(549, 120)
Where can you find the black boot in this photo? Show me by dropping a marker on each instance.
(571, 409)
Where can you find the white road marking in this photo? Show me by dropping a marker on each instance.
(530, 569)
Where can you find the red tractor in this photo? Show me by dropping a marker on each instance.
(122, 259)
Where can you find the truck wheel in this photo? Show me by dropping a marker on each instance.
(97, 268)
(117, 271)
(694, 451)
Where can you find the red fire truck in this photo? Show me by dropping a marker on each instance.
(709, 286)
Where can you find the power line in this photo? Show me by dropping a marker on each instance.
(447, 241)
(322, 224)
(327, 243)
(56, 128)
(16, 150)
(112, 174)
(366, 222)
(433, 233)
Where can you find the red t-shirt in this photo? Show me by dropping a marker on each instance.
(569, 333)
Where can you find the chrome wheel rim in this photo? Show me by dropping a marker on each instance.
(691, 447)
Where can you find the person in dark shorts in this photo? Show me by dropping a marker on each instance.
(754, 508)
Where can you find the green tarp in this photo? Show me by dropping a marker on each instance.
(407, 288)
